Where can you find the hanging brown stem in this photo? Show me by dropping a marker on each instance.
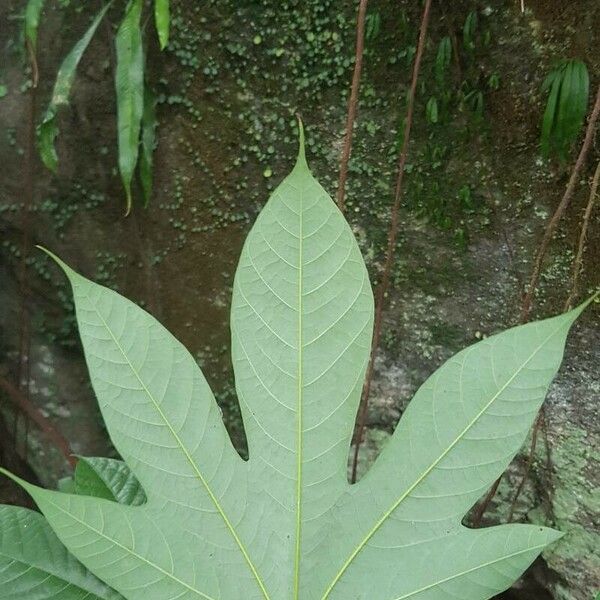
(540, 424)
(577, 267)
(535, 278)
(392, 237)
(480, 510)
(35, 74)
(23, 366)
(352, 102)
(578, 262)
(548, 488)
(527, 469)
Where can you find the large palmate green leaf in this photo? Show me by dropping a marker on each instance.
(129, 85)
(34, 565)
(286, 524)
(60, 95)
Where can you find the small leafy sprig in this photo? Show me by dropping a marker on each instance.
(568, 88)
(136, 117)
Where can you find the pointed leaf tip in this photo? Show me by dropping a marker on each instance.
(20, 482)
(70, 273)
(301, 159)
(575, 312)
(554, 535)
(128, 202)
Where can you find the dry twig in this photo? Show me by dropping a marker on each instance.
(560, 210)
(352, 102)
(23, 367)
(392, 237)
(578, 261)
(534, 281)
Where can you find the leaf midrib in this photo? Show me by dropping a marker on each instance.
(300, 390)
(187, 455)
(431, 467)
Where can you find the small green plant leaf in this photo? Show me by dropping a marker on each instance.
(34, 565)
(286, 524)
(60, 96)
(108, 478)
(33, 11)
(550, 115)
(372, 25)
(581, 85)
(552, 76)
(148, 143)
(47, 134)
(564, 110)
(162, 20)
(431, 110)
(129, 83)
(469, 30)
(442, 59)
(568, 85)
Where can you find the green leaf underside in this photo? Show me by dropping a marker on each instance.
(129, 85)
(162, 19)
(34, 565)
(60, 95)
(109, 479)
(286, 524)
